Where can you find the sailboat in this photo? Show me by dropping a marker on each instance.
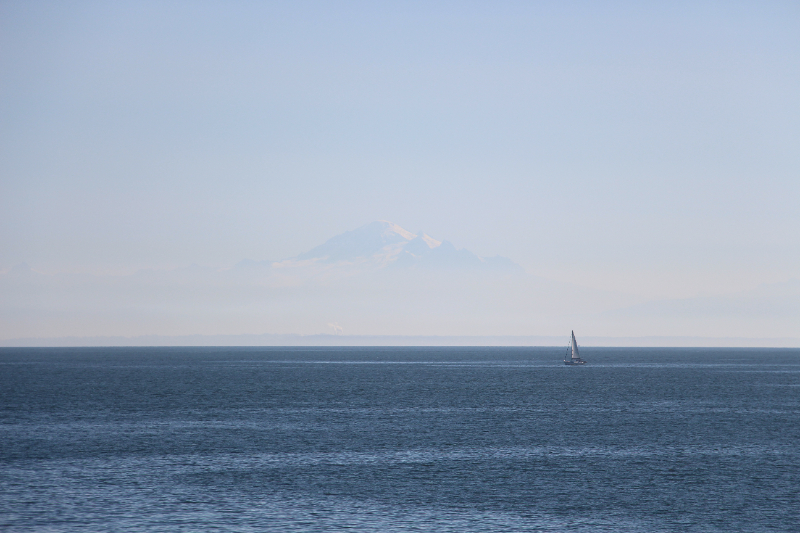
(575, 358)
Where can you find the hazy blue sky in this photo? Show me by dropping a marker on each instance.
(652, 147)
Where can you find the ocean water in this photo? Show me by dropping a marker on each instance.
(399, 439)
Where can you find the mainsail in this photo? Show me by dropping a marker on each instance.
(575, 358)
(575, 354)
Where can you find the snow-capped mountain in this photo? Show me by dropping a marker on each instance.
(383, 243)
(380, 238)
(378, 279)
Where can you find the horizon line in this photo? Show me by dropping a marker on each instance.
(327, 339)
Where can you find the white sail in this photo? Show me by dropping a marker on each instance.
(575, 354)
(575, 357)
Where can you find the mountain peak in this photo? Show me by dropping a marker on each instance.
(391, 227)
(382, 243)
(373, 238)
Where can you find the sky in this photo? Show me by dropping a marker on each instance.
(649, 148)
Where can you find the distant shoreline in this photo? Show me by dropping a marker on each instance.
(399, 340)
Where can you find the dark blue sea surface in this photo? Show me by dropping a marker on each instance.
(399, 439)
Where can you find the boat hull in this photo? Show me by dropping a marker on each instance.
(576, 362)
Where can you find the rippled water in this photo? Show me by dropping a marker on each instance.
(399, 439)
